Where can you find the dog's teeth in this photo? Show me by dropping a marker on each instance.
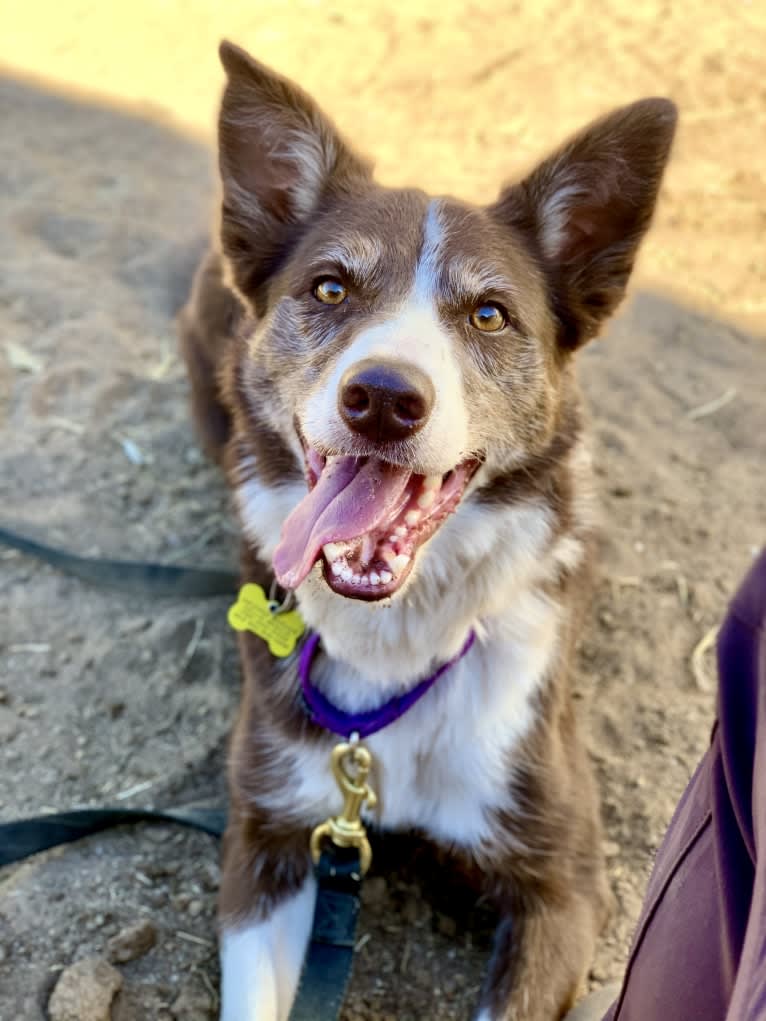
(337, 568)
(347, 574)
(374, 578)
(368, 549)
(392, 538)
(355, 579)
(386, 577)
(401, 531)
(387, 554)
(426, 498)
(399, 563)
(365, 580)
(432, 482)
(412, 517)
(332, 551)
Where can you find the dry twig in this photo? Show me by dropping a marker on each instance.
(702, 677)
(713, 406)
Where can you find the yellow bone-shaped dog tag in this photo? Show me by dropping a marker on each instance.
(253, 612)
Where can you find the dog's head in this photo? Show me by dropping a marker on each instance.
(405, 351)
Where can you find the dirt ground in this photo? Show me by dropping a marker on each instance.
(105, 191)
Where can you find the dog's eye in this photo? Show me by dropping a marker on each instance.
(330, 291)
(489, 318)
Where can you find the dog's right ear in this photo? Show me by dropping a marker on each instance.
(278, 155)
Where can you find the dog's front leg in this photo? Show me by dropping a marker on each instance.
(540, 959)
(266, 909)
(261, 959)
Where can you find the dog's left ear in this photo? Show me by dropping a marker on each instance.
(278, 156)
(586, 208)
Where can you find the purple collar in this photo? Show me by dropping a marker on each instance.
(325, 714)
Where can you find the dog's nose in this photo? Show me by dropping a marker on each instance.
(385, 401)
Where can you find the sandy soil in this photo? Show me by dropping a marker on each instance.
(105, 185)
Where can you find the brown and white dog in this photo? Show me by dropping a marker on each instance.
(388, 381)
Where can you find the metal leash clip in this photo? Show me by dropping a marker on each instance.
(351, 764)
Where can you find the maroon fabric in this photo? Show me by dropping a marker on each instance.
(699, 953)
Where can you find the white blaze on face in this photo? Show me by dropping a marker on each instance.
(411, 334)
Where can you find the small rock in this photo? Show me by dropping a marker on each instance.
(181, 901)
(84, 991)
(195, 908)
(132, 942)
(9, 726)
(161, 870)
(598, 974)
(132, 625)
(211, 877)
(156, 898)
(610, 848)
(415, 910)
(194, 1003)
(453, 983)
(374, 891)
(446, 925)
(159, 834)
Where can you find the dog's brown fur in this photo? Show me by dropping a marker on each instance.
(543, 865)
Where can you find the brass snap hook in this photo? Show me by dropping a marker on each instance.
(351, 764)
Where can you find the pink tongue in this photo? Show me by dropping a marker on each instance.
(352, 496)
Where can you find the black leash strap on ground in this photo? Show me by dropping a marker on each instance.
(129, 575)
(326, 970)
(23, 837)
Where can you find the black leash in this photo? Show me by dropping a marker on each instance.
(24, 837)
(327, 967)
(328, 962)
(129, 575)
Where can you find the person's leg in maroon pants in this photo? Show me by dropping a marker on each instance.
(699, 953)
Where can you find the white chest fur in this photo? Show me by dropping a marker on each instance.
(444, 766)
